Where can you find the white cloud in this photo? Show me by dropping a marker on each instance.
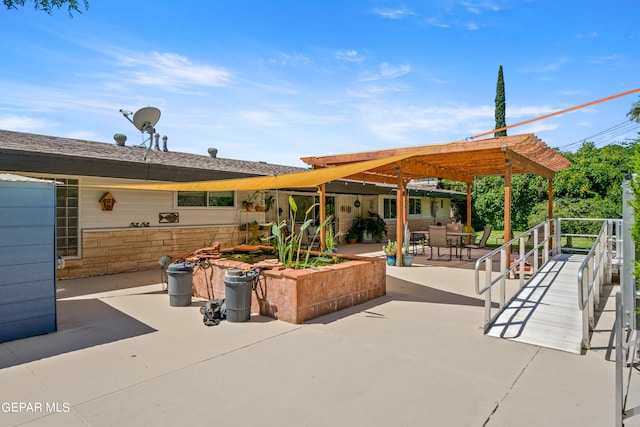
(535, 128)
(23, 123)
(529, 111)
(393, 13)
(605, 59)
(471, 26)
(260, 118)
(349, 56)
(286, 59)
(478, 7)
(545, 68)
(437, 22)
(587, 36)
(170, 71)
(402, 123)
(388, 71)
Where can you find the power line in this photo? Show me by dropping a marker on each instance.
(607, 134)
(546, 116)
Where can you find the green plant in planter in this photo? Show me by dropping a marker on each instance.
(356, 229)
(390, 248)
(375, 225)
(288, 246)
(330, 239)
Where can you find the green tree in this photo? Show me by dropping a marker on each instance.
(49, 5)
(595, 173)
(634, 113)
(589, 188)
(488, 200)
(501, 106)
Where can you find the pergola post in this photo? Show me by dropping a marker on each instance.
(550, 209)
(323, 217)
(399, 216)
(550, 198)
(469, 206)
(507, 207)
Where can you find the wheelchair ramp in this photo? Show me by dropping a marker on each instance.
(545, 312)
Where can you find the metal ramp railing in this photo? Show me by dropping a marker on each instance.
(627, 304)
(565, 319)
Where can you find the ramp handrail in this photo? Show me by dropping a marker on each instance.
(519, 266)
(596, 265)
(593, 273)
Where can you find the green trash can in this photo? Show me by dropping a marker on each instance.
(180, 284)
(238, 287)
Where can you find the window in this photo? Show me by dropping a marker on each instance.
(206, 199)
(67, 217)
(389, 208)
(415, 206)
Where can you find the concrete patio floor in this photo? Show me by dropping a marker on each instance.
(415, 357)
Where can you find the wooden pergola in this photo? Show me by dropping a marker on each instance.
(457, 161)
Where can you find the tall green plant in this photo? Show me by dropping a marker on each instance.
(288, 245)
(501, 105)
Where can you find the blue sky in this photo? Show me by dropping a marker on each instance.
(278, 80)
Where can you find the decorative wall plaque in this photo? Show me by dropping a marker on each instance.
(169, 218)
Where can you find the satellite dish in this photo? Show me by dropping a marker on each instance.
(146, 118)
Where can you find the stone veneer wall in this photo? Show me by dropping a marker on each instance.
(134, 249)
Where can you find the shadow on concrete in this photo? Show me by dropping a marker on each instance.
(402, 290)
(68, 288)
(81, 324)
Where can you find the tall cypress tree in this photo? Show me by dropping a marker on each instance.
(501, 105)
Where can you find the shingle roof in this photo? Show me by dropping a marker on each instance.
(26, 152)
(27, 143)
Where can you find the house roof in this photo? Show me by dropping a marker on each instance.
(27, 152)
(459, 161)
(33, 153)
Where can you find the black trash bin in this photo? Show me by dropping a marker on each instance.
(238, 287)
(180, 283)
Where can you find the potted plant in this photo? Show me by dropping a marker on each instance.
(255, 200)
(407, 257)
(355, 231)
(390, 250)
(375, 226)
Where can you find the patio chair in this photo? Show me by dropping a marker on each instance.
(482, 243)
(418, 240)
(501, 238)
(438, 239)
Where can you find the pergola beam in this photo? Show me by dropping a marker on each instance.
(521, 163)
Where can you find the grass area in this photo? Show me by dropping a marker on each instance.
(576, 242)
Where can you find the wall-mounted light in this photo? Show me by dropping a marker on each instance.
(107, 202)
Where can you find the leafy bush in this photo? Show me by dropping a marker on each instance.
(288, 245)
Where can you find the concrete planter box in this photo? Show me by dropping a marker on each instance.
(295, 296)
